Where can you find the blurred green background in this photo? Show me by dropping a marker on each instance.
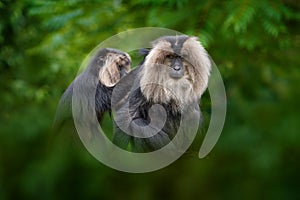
(255, 45)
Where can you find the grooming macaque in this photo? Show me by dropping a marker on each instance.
(94, 86)
(152, 98)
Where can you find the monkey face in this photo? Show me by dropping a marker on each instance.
(175, 64)
(177, 67)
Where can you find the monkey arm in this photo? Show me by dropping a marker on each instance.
(139, 126)
(135, 124)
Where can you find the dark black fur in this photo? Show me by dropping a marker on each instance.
(102, 100)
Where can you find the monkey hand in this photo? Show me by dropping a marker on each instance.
(123, 60)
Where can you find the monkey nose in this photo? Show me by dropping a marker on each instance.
(177, 67)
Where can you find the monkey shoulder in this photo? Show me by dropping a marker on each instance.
(103, 97)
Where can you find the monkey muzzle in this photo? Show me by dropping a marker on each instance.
(176, 70)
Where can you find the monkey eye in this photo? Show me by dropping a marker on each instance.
(170, 56)
(184, 55)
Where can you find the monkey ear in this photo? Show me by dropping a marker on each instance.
(144, 51)
(109, 74)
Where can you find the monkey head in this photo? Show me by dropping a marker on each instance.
(112, 65)
(177, 68)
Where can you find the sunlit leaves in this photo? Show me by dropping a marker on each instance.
(242, 14)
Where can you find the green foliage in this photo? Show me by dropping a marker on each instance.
(255, 45)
